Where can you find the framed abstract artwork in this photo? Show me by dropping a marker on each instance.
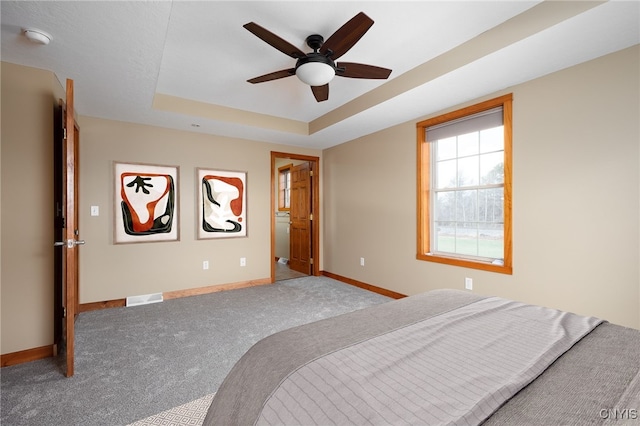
(221, 203)
(146, 203)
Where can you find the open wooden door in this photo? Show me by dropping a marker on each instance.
(312, 207)
(66, 222)
(300, 256)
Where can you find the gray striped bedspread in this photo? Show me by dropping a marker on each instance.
(444, 357)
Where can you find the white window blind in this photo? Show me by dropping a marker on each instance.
(473, 123)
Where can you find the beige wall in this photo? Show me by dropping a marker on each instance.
(26, 286)
(109, 271)
(576, 232)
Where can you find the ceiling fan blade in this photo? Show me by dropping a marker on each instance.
(275, 41)
(321, 92)
(273, 76)
(353, 70)
(347, 35)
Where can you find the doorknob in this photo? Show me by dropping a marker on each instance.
(69, 243)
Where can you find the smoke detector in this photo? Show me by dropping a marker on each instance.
(37, 36)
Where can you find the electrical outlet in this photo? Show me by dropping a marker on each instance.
(243, 261)
(362, 261)
(468, 283)
(205, 264)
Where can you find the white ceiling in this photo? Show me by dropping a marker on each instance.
(124, 54)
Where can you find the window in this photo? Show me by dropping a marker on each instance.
(284, 187)
(464, 187)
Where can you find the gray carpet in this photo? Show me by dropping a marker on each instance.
(135, 362)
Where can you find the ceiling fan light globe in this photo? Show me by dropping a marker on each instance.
(315, 73)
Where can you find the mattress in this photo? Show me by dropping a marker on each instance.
(587, 371)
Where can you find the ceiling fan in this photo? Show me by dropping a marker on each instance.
(318, 68)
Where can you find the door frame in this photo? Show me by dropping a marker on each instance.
(315, 208)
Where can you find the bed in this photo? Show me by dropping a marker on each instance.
(442, 357)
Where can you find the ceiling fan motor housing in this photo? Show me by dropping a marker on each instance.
(315, 57)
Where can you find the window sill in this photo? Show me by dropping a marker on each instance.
(501, 269)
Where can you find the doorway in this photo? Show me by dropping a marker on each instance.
(295, 212)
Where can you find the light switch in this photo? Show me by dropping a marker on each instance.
(95, 211)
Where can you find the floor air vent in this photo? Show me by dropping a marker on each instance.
(145, 299)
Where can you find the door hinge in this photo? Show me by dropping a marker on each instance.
(64, 133)
(311, 173)
(64, 312)
(311, 216)
(311, 261)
